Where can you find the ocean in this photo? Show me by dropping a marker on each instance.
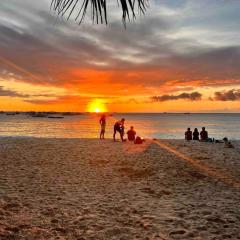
(147, 125)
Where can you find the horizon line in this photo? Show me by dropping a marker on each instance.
(98, 113)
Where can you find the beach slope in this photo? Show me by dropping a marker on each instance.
(91, 189)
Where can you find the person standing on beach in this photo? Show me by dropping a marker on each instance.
(102, 122)
(188, 134)
(119, 127)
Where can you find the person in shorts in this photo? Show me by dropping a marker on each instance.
(119, 127)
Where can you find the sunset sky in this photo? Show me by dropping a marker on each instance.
(182, 56)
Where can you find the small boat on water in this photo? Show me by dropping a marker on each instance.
(11, 114)
(39, 115)
(71, 113)
(58, 117)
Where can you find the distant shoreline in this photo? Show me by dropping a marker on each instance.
(56, 112)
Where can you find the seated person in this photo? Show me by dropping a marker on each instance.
(131, 134)
(195, 134)
(188, 134)
(204, 135)
(227, 144)
(138, 140)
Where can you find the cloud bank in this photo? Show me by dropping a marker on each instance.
(231, 95)
(9, 93)
(177, 45)
(194, 96)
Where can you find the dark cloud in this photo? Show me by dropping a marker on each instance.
(65, 99)
(144, 54)
(9, 93)
(194, 96)
(231, 95)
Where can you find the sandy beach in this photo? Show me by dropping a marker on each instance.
(92, 189)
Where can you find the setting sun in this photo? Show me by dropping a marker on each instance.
(96, 106)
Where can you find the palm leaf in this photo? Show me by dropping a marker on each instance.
(98, 9)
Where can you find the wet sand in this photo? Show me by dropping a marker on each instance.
(92, 189)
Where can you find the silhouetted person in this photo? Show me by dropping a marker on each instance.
(119, 127)
(138, 140)
(188, 134)
(102, 122)
(195, 134)
(131, 134)
(227, 144)
(204, 134)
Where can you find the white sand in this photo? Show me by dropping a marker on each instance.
(92, 189)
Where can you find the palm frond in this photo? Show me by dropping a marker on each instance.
(98, 9)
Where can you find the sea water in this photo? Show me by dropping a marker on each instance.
(147, 125)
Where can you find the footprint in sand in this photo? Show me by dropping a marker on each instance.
(12, 229)
(215, 219)
(178, 234)
(154, 193)
(12, 207)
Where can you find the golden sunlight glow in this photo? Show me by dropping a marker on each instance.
(96, 106)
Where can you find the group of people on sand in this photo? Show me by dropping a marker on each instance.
(132, 135)
(119, 128)
(189, 135)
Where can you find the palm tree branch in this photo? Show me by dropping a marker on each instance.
(98, 9)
